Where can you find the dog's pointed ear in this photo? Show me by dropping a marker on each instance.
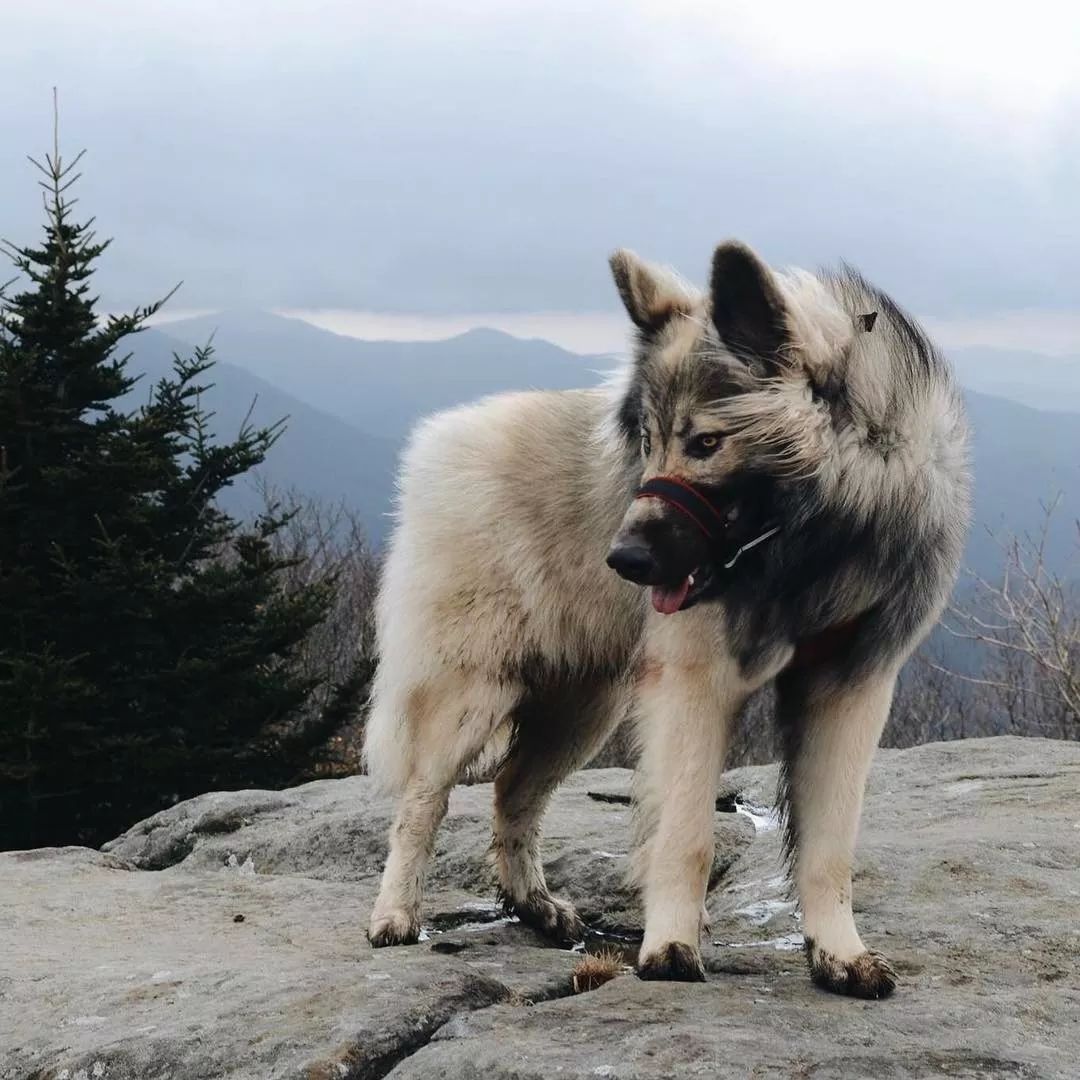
(747, 305)
(651, 295)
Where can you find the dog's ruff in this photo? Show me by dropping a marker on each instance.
(504, 637)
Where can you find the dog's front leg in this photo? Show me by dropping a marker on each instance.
(688, 692)
(832, 727)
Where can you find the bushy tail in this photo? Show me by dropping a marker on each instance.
(387, 747)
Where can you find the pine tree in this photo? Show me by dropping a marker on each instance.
(145, 641)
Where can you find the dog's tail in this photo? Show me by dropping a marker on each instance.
(394, 755)
(387, 746)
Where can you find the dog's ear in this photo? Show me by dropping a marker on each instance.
(650, 294)
(747, 305)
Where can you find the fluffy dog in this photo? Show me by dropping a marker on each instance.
(775, 488)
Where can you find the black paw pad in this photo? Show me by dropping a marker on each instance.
(674, 962)
(869, 975)
(393, 932)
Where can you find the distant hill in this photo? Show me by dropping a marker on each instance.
(1022, 456)
(1032, 379)
(382, 387)
(317, 453)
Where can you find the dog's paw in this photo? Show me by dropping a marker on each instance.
(676, 962)
(868, 975)
(555, 919)
(393, 928)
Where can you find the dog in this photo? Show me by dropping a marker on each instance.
(774, 488)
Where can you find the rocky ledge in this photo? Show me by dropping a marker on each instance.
(224, 937)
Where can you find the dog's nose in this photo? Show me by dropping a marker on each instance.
(632, 561)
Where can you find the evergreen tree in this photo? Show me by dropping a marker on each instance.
(145, 641)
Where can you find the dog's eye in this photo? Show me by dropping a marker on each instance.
(703, 445)
(646, 442)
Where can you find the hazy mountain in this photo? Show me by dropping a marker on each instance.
(1041, 382)
(381, 387)
(1022, 456)
(317, 453)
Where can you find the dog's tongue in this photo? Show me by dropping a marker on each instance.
(667, 600)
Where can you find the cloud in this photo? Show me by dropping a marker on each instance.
(486, 156)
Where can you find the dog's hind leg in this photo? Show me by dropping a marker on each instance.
(448, 720)
(555, 733)
(831, 728)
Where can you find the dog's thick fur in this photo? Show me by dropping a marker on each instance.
(501, 630)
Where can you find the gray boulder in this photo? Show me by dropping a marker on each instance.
(224, 938)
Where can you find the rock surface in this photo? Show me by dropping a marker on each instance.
(224, 938)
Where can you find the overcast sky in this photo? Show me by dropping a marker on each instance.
(486, 155)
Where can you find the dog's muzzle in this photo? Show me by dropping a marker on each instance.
(713, 521)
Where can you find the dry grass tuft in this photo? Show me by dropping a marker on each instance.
(595, 969)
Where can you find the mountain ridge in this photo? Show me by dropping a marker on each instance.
(317, 454)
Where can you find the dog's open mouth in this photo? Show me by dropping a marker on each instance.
(667, 599)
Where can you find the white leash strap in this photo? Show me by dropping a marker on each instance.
(751, 544)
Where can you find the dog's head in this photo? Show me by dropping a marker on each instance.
(729, 400)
